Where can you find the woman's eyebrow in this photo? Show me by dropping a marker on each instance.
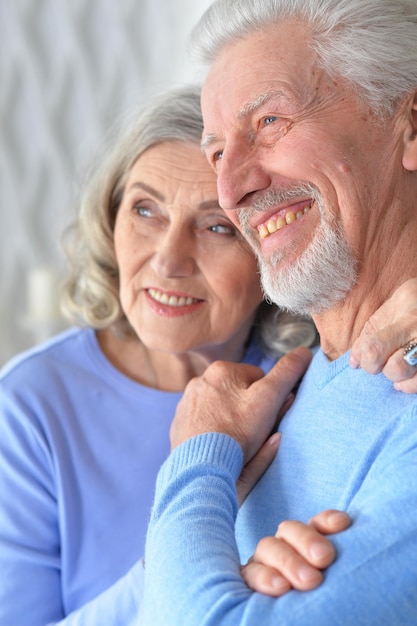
(208, 205)
(154, 192)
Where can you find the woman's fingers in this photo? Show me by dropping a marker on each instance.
(253, 471)
(295, 557)
(292, 563)
(264, 579)
(330, 521)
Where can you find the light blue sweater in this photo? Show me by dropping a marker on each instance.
(349, 442)
(80, 449)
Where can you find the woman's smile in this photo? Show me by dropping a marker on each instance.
(171, 304)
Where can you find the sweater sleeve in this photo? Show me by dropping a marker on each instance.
(30, 552)
(119, 605)
(192, 564)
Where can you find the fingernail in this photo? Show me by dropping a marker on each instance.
(337, 517)
(307, 573)
(353, 363)
(320, 551)
(279, 583)
(275, 439)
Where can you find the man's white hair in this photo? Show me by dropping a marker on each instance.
(371, 43)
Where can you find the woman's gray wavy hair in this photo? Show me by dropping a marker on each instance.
(91, 293)
(371, 43)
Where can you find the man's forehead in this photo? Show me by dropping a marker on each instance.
(243, 83)
(248, 73)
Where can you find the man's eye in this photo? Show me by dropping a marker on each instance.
(217, 155)
(270, 119)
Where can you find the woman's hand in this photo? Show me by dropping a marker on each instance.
(238, 400)
(295, 557)
(253, 470)
(380, 346)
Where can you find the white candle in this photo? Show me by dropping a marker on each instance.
(42, 294)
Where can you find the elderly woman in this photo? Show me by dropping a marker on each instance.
(161, 284)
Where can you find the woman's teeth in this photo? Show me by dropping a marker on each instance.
(273, 225)
(164, 298)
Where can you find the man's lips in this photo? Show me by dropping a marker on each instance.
(283, 218)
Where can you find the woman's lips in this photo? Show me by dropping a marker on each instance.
(170, 304)
(171, 299)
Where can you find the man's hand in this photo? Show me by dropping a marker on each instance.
(380, 346)
(296, 556)
(238, 400)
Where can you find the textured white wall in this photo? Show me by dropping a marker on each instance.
(67, 68)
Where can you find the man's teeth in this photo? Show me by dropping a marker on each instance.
(273, 225)
(164, 298)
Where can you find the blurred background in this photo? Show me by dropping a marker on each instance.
(69, 69)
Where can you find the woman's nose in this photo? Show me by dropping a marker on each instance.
(174, 255)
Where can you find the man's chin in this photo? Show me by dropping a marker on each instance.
(305, 291)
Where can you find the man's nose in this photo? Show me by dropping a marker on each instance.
(175, 254)
(240, 174)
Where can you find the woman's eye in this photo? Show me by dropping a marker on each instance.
(222, 229)
(143, 211)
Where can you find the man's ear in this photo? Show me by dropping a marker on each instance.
(410, 136)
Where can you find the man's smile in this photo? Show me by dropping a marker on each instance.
(282, 219)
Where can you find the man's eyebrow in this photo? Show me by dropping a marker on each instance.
(154, 192)
(248, 109)
(253, 106)
(207, 140)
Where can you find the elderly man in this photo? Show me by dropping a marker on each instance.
(310, 114)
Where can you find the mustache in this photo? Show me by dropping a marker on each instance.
(264, 201)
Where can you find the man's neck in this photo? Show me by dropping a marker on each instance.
(340, 326)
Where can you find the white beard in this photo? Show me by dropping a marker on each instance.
(320, 277)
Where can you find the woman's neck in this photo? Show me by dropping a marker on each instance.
(156, 369)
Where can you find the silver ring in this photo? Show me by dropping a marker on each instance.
(410, 354)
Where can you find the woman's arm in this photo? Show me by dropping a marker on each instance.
(380, 346)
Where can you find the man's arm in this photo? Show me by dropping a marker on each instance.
(193, 571)
(192, 563)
